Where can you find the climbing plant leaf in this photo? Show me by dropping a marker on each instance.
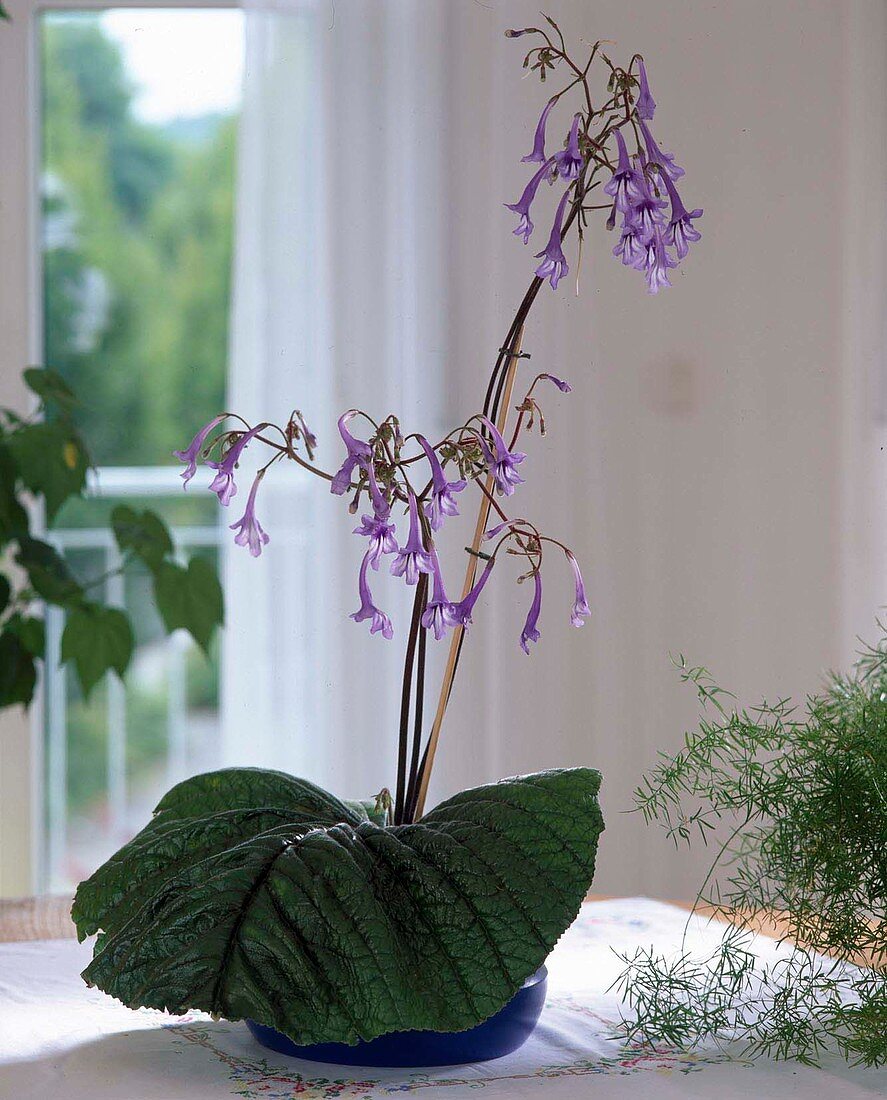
(190, 597)
(144, 533)
(98, 640)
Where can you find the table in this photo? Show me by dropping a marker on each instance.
(63, 1041)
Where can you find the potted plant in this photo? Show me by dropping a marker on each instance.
(341, 930)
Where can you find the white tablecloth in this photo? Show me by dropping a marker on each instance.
(62, 1041)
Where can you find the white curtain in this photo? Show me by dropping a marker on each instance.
(339, 301)
(711, 467)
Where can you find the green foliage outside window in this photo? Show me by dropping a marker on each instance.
(137, 251)
(137, 238)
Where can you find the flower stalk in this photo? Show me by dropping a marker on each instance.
(458, 635)
(380, 463)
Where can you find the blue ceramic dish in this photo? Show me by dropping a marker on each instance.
(499, 1035)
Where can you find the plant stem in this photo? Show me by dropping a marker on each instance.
(409, 658)
(496, 402)
(483, 515)
(417, 728)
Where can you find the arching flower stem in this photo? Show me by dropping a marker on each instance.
(374, 461)
(496, 401)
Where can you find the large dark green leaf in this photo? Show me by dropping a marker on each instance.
(341, 932)
(229, 806)
(246, 788)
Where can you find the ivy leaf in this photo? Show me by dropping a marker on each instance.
(50, 387)
(97, 639)
(18, 673)
(12, 419)
(190, 598)
(13, 517)
(48, 572)
(30, 631)
(144, 533)
(52, 461)
(340, 932)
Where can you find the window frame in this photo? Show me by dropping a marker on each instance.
(21, 322)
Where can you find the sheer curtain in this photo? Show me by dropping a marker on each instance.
(339, 301)
(716, 466)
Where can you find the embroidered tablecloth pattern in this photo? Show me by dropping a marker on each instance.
(62, 1041)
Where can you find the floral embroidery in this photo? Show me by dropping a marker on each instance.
(256, 1079)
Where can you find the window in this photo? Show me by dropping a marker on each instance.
(136, 174)
(115, 271)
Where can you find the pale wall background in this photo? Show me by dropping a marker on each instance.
(717, 468)
(720, 455)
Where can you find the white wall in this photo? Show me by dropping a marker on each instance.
(718, 465)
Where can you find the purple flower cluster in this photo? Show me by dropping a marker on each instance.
(370, 467)
(637, 188)
(378, 527)
(249, 531)
(359, 454)
(580, 610)
(565, 164)
(501, 462)
(192, 454)
(417, 555)
(379, 621)
(656, 227)
(443, 502)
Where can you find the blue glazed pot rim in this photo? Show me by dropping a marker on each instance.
(536, 977)
(498, 1035)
